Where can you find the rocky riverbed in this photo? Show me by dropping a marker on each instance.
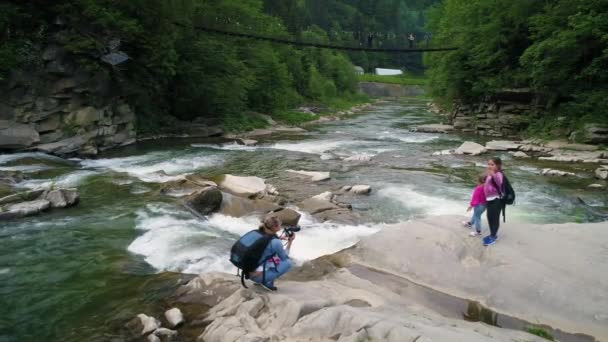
(152, 215)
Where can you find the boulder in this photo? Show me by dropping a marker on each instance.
(288, 217)
(24, 209)
(15, 136)
(315, 205)
(205, 201)
(502, 145)
(361, 189)
(326, 196)
(565, 145)
(21, 196)
(185, 186)
(602, 172)
(153, 338)
(175, 317)
(62, 85)
(534, 148)
(551, 172)
(51, 137)
(472, 148)
(165, 335)
(66, 146)
(524, 275)
(340, 215)
(142, 325)
(434, 128)
(246, 142)
(243, 186)
(237, 206)
(596, 186)
(520, 154)
(312, 175)
(62, 198)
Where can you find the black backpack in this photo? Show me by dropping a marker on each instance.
(507, 194)
(247, 252)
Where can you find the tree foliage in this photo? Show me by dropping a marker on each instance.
(558, 48)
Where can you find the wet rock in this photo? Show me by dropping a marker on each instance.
(243, 186)
(552, 172)
(165, 335)
(361, 189)
(186, 186)
(288, 217)
(312, 175)
(327, 196)
(502, 145)
(340, 215)
(207, 289)
(434, 128)
(469, 147)
(175, 317)
(66, 146)
(596, 186)
(86, 116)
(246, 142)
(520, 154)
(49, 124)
(602, 172)
(237, 206)
(443, 153)
(142, 325)
(15, 136)
(24, 209)
(205, 201)
(21, 197)
(534, 148)
(62, 198)
(153, 338)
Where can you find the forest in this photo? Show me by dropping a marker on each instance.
(557, 48)
(176, 70)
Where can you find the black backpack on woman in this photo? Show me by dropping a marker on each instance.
(506, 193)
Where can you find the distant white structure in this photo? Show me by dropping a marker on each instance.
(388, 72)
(359, 70)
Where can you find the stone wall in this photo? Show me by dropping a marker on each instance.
(503, 115)
(375, 89)
(60, 107)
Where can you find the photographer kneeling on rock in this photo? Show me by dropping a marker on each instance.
(260, 254)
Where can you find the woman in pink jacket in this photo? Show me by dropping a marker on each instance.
(478, 205)
(494, 191)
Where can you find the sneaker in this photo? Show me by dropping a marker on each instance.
(467, 224)
(269, 288)
(489, 240)
(475, 233)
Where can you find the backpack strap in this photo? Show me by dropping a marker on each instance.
(243, 280)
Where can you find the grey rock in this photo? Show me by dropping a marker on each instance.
(288, 217)
(21, 197)
(205, 201)
(361, 189)
(434, 128)
(602, 172)
(51, 123)
(24, 209)
(87, 116)
(469, 147)
(315, 205)
(175, 317)
(142, 325)
(17, 136)
(63, 84)
(62, 198)
(51, 137)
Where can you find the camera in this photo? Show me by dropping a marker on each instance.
(291, 230)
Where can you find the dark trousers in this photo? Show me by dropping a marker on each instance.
(494, 209)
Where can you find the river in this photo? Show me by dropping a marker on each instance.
(80, 273)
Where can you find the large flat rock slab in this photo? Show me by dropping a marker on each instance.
(556, 273)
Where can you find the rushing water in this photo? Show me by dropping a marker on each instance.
(78, 274)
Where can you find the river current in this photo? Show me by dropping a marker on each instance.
(78, 274)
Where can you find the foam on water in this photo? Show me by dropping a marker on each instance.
(69, 180)
(313, 147)
(228, 147)
(422, 203)
(26, 168)
(155, 167)
(175, 240)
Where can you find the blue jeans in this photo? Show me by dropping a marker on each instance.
(274, 272)
(476, 219)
